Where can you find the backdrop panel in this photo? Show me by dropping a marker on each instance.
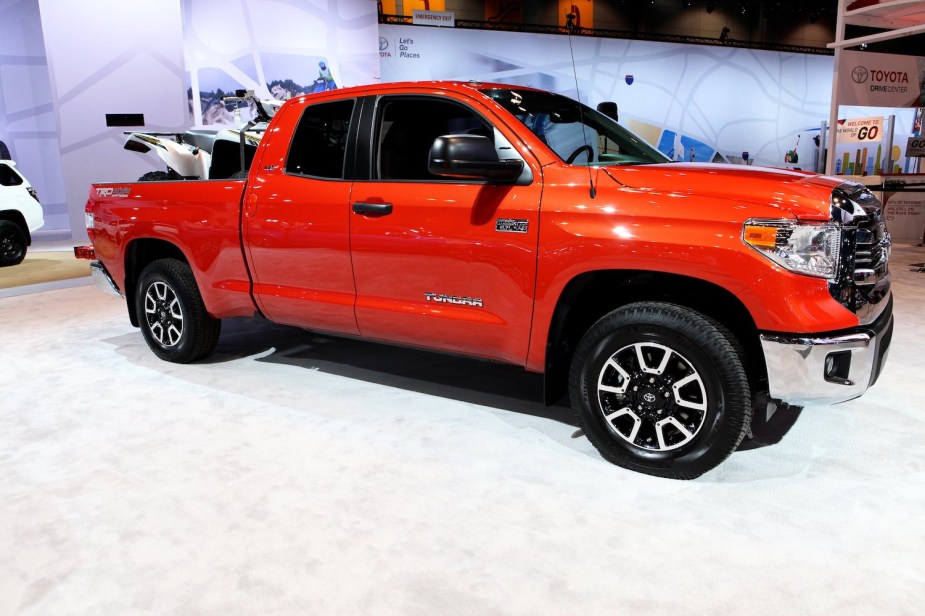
(689, 100)
(278, 49)
(27, 120)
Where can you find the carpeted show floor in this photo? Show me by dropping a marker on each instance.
(301, 474)
(42, 266)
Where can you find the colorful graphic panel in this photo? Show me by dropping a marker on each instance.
(277, 49)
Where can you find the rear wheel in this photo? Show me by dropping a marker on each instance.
(660, 389)
(154, 176)
(12, 243)
(172, 315)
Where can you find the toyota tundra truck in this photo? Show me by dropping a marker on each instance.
(670, 301)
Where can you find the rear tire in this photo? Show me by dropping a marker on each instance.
(172, 315)
(12, 243)
(660, 389)
(154, 176)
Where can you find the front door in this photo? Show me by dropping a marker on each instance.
(442, 263)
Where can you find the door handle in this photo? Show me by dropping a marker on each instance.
(372, 209)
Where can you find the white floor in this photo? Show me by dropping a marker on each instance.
(297, 474)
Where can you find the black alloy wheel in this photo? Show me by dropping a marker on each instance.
(12, 243)
(661, 389)
(172, 315)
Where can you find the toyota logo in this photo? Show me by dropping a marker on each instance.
(649, 397)
(383, 43)
(859, 74)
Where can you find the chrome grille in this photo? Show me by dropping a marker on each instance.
(872, 249)
(864, 283)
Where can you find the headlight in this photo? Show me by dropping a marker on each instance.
(804, 248)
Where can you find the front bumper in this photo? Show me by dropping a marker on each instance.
(826, 369)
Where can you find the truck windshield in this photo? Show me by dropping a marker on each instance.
(587, 137)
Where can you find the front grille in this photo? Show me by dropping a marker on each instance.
(863, 282)
(872, 249)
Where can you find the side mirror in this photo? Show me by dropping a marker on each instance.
(470, 156)
(609, 109)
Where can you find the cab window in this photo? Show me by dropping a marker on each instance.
(319, 144)
(8, 177)
(407, 128)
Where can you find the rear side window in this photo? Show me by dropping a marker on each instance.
(8, 177)
(320, 142)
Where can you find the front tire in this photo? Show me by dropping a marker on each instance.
(172, 315)
(660, 389)
(12, 243)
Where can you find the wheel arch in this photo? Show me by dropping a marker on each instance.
(15, 216)
(591, 295)
(138, 254)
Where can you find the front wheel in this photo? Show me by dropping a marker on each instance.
(172, 315)
(12, 243)
(660, 389)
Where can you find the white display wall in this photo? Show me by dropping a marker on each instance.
(110, 57)
(682, 98)
(27, 119)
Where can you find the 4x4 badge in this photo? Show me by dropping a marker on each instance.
(511, 225)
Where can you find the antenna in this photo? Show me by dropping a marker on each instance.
(569, 26)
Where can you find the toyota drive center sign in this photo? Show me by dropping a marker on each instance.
(881, 80)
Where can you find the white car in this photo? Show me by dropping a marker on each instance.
(20, 214)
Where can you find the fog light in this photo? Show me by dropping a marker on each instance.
(837, 367)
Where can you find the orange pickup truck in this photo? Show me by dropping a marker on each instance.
(670, 301)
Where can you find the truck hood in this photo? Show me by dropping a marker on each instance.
(792, 193)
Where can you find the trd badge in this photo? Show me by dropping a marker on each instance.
(511, 225)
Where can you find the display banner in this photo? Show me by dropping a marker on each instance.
(915, 146)
(692, 102)
(881, 80)
(277, 49)
(860, 130)
(905, 214)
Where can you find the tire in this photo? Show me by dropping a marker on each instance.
(172, 315)
(661, 389)
(154, 176)
(12, 243)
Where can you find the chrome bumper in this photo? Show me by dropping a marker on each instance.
(103, 280)
(806, 370)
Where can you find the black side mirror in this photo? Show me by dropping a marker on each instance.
(609, 109)
(470, 156)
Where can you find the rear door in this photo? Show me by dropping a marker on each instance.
(296, 218)
(442, 263)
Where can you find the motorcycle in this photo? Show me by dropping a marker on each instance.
(203, 154)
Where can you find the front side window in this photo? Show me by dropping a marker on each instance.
(409, 126)
(577, 134)
(319, 146)
(8, 177)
